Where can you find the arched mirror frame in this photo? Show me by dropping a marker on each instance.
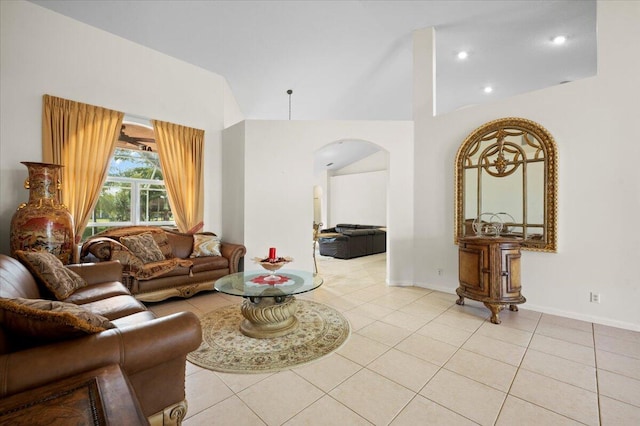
(495, 129)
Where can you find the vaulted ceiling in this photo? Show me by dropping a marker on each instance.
(352, 60)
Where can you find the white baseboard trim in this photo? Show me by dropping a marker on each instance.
(439, 288)
(400, 284)
(583, 317)
(552, 311)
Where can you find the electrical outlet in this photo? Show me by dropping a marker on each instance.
(595, 297)
(440, 271)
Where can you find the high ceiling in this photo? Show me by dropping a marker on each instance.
(352, 60)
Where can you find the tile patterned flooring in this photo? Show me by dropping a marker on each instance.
(415, 357)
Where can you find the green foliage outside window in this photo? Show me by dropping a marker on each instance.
(134, 193)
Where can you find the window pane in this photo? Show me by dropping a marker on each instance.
(92, 230)
(114, 204)
(154, 204)
(135, 164)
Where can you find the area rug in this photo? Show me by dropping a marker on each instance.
(224, 348)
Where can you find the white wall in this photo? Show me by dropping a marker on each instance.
(594, 124)
(374, 162)
(279, 184)
(358, 198)
(42, 52)
(233, 183)
(364, 198)
(232, 112)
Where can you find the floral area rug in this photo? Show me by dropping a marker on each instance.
(224, 348)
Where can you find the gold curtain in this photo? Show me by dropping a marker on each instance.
(82, 138)
(181, 152)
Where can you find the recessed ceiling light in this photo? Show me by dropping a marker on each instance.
(488, 89)
(463, 55)
(559, 39)
(329, 164)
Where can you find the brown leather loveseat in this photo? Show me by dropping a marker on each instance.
(183, 268)
(151, 351)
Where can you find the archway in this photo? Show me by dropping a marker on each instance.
(351, 179)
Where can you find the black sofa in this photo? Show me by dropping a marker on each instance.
(353, 241)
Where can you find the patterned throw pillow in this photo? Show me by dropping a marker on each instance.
(162, 240)
(144, 247)
(50, 271)
(205, 245)
(43, 321)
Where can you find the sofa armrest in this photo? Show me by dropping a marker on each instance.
(341, 237)
(94, 273)
(356, 232)
(233, 252)
(328, 230)
(99, 247)
(136, 348)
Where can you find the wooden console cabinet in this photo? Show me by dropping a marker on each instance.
(489, 272)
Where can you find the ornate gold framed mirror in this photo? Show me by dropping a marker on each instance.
(506, 183)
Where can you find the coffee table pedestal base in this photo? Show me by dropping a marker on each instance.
(268, 317)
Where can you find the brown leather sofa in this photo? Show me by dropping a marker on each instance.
(346, 241)
(179, 275)
(151, 351)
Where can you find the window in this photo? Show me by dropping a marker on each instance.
(134, 192)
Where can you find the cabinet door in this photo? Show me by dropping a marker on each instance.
(511, 285)
(474, 273)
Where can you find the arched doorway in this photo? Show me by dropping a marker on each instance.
(350, 184)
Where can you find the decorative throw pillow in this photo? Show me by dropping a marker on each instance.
(205, 245)
(163, 243)
(40, 321)
(50, 271)
(144, 247)
(123, 255)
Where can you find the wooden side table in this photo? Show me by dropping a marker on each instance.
(489, 272)
(98, 397)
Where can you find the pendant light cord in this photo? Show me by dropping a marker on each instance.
(289, 92)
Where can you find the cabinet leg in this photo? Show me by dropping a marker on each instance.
(513, 308)
(460, 301)
(495, 309)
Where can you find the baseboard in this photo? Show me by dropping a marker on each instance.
(400, 283)
(439, 288)
(552, 311)
(583, 317)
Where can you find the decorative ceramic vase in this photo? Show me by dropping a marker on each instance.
(43, 224)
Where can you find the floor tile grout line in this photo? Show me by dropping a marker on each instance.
(350, 409)
(409, 354)
(533, 403)
(441, 367)
(595, 360)
(618, 354)
(518, 370)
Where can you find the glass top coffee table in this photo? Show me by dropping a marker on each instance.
(269, 305)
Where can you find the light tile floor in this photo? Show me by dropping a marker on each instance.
(415, 357)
